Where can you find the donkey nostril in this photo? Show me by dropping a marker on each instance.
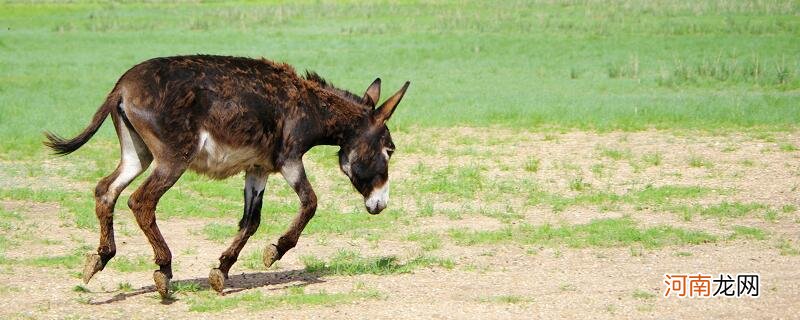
(375, 207)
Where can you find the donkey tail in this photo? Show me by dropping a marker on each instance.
(63, 146)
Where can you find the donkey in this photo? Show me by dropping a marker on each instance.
(220, 116)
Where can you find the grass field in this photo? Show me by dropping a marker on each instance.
(544, 150)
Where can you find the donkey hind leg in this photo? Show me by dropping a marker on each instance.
(255, 182)
(143, 203)
(295, 175)
(134, 160)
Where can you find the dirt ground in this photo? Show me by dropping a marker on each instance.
(547, 281)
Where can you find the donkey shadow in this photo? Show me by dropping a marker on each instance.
(234, 283)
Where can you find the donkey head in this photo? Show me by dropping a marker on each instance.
(364, 158)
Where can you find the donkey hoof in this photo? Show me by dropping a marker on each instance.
(162, 283)
(270, 255)
(92, 266)
(217, 280)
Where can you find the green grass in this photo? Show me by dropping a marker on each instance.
(648, 196)
(69, 261)
(722, 210)
(788, 147)
(731, 209)
(294, 297)
(428, 241)
(132, 264)
(253, 260)
(463, 182)
(80, 206)
(598, 233)
(589, 65)
(351, 263)
(219, 233)
(470, 237)
(748, 233)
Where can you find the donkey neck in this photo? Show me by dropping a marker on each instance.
(339, 118)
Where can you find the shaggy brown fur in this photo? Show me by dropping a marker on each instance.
(223, 115)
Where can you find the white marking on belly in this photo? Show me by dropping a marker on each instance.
(220, 161)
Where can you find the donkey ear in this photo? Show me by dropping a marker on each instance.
(373, 93)
(387, 108)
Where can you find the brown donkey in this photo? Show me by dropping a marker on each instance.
(223, 115)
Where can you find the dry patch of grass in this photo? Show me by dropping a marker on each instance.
(350, 263)
(598, 233)
(293, 297)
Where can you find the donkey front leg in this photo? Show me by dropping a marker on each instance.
(143, 203)
(255, 182)
(295, 175)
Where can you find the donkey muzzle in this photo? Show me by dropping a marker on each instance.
(378, 199)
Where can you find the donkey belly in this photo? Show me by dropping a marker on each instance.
(220, 161)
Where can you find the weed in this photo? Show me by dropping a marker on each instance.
(597, 169)
(577, 184)
(81, 289)
(698, 162)
(643, 295)
(510, 299)
(653, 159)
(532, 165)
(615, 154)
(771, 215)
(786, 248)
(184, 287)
(125, 287)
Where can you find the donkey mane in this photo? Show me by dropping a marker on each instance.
(316, 78)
